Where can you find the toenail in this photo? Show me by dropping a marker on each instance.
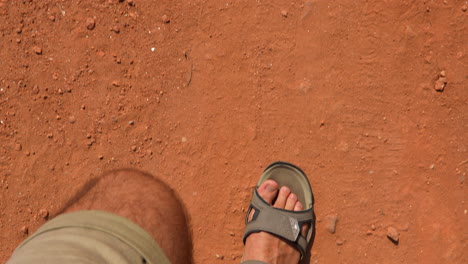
(270, 187)
(284, 189)
(292, 196)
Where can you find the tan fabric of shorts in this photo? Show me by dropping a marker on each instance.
(89, 237)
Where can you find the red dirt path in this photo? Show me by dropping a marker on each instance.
(345, 89)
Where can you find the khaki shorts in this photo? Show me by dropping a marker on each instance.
(89, 237)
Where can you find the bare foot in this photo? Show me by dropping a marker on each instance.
(268, 248)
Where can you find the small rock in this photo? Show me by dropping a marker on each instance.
(440, 84)
(218, 256)
(90, 23)
(101, 157)
(464, 8)
(44, 214)
(25, 230)
(52, 18)
(134, 148)
(50, 135)
(116, 83)
(443, 74)
(284, 13)
(37, 50)
(165, 19)
(339, 241)
(131, 122)
(71, 119)
(19, 30)
(373, 227)
(130, 2)
(18, 147)
(392, 234)
(232, 234)
(116, 29)
(330, 223)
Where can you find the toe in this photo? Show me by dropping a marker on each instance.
(291, 202)
(282, 197)
(305, 227)
(298, 206)
(268, 191)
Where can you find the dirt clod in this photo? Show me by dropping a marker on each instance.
(90, 23)
(72, 119)
(44, 213)
(330, 223)
(18, 147)
(393, 234)
(25, 230)
(339, 241)
(37, 50)
(440, 84)
(165, 19)
(116, 29)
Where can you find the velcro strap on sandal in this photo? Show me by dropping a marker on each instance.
(283, 223)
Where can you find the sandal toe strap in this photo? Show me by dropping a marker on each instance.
(282, 223)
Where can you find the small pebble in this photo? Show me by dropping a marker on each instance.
(116, 29)
(464, 8)
(18, 147)
(218, 256)
(392, 234)
(165, 19)
(44, 214)
(134, 148)
(71, 119)
(25, 230)
(90, 23)
(116, 83)
(440, 84)
(131, 122)
(50, 135)
(37, 50)
(52, 18)
(330, 223)
(101, 157)
(373, 227)
(443, 74)
(339, 241)
(130, 2)
(284, 13)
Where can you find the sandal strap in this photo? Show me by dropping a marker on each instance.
(282, 223)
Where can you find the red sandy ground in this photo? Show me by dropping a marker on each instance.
(345, 89)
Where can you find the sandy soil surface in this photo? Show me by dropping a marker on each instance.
(368, 97)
